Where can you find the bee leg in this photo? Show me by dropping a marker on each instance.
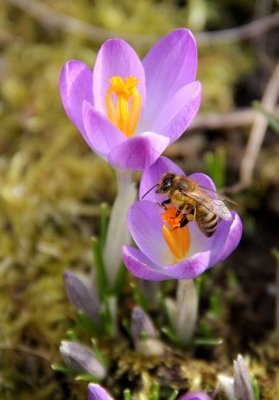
(180, 208)
(191, 216)
(164, 203)
(184, 221)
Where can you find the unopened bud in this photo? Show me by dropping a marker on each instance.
(227, 385)
(144, 334)
(81, 359)
(141, 323)
(243, 389)
(96, 392)
(81, 297)
(195, 396)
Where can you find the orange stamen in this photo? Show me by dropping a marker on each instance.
(178, 239)
(125, 114)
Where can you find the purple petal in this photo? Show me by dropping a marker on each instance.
(115, 58)
(141, 266)
(199, 242)
(96, 392)
(75, 86)
(102, 135)
(203, 180)
(189, 268)
(145, 225)
(81, 297)
(169, 65)
(138, 152)
(152, 175)
(226, 239)
(195, 396)
(178, 112)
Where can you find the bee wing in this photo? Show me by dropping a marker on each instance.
(215, 195)
(211, 200)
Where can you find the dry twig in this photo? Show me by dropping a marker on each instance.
(54, 19)
(235, 119)
(258, 130)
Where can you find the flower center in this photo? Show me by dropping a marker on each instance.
(123, 103)
(178, 239)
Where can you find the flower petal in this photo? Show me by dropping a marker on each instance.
(75, 85)
(138, 152)
(195, 396)
(152, 175)
(226, 239)
(96, 392)
(191, 267)
(169, 65)
(145, 225)
(178, 112)
(141, 266)
(115, 58)
(203, 180)
(102, 135)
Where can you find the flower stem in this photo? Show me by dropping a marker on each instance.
(187, 303)
(117, 233)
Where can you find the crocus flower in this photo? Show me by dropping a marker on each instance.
(81, 359)
(82, 298)
(96, 392)
(240, 386)
(165, 252)
(195, 396)
(141, 324)
(129, 111)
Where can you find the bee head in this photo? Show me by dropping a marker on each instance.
(165, 183)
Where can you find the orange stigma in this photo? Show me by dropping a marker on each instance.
(125, 114)
(178, 239)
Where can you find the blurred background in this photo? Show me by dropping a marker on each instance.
(51, 184)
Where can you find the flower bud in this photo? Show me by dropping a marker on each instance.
(227, 385)
(96, 392)
(81, 359)
(195, 396)
(142, 324)
(243, 389)
(81, 297)
(240, 387)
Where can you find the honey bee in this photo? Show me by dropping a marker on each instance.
(195, 202)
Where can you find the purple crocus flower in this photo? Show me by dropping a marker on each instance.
(129, 111)
(173, 254)
(96, 392)
(195, 396)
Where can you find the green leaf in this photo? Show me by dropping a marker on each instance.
(167, 331)
(173, 396)
(104, 218)
(63, 369)
(87, 378)
(120, 280)
(208, 342)
(216, 166)
(127, 394)
(255, 386)
(87, 323)
(155, 392)
(101, 276)
(140, 300)
(98, 353)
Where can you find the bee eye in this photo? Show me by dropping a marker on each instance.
(166, 185)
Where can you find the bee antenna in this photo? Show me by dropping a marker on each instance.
(157, 184)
